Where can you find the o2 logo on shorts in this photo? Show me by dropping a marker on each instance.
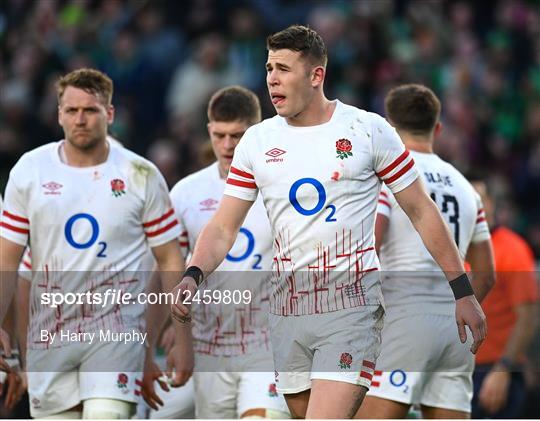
(320, 203)
(250, 247)
(398, 379)
(84, 218)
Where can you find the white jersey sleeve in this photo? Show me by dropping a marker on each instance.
(25, 267)
(15, 224)
(392, 162)
(158, 214)
(385, 202)
(481, 228)
(241, 181)
(178, 198)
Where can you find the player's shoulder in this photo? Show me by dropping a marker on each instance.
(265, 127)
(40, 157)
(134, 162)
(208, 174)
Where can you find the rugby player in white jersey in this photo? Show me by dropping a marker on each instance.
(234, 372)
(422, 361)
(89, 210)
(319, 165)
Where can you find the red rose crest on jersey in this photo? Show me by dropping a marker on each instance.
(345, 361)
(272, 391)
(118, 187)
(122, 382)
(208, 204)
(52, 187)
(343, 148)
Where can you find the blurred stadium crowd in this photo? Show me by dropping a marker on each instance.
(166, 57)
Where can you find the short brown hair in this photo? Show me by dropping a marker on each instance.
(89, 80)
(234, 103)
(414, 108)
(302, 39)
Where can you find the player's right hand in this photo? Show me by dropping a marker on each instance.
(469, 313)
(182, 294)
(151, 374)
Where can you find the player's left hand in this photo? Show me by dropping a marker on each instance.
(469, 313)
(180, 363)
(494, 390)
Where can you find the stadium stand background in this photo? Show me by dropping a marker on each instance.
(166, 57)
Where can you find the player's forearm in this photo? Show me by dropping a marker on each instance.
(10, 256)
(480, 257)
(437, 238)
(522, 333)
(212, 246)
(23, 305)
(482, 282)
(156, 314)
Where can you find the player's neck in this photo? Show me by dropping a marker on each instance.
(417, 143)
(319, 111)
(75, 157)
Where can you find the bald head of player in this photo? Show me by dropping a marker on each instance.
(296, 68)
(231, 111)
(85, 112)
(414, 111)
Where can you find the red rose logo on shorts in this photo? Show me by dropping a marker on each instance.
(118, 187)
(345, 361)
(122, 382)
(343, 148)
(272, 391)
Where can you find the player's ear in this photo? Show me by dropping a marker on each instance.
(209, 128)
(438, 128)
(317, 76)
(110, 114)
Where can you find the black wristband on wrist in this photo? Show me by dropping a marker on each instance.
(195, 273)
(461, 287)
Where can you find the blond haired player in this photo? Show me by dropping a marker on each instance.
(89, 210)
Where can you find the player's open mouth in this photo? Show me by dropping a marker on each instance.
(277, 99)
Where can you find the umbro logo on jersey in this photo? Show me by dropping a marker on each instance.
(208, 204)
(52, 188)
(274, 153)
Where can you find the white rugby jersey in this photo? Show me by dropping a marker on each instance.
(320, 186)
(410, 274)
(227, 329)
(88, 229)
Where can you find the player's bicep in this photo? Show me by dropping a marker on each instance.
(10, 255)
(414, 200)
(169, 256)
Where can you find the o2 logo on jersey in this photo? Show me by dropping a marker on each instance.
(398, 379)
(320, 203)
(84, 218)
(249, 249)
